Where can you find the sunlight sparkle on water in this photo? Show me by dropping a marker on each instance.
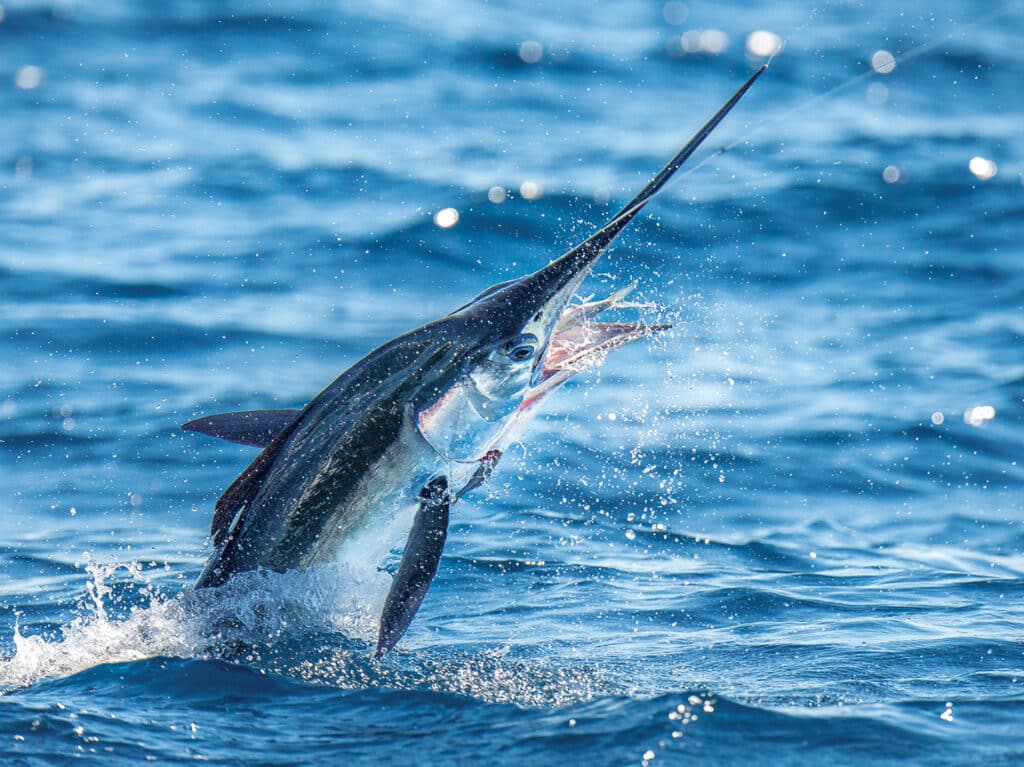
(713, 41)
(531, 51)
(891, 174)
(883, 62)
(938, 418)
(763, 43)
(497, 194)
(976, 416)
(28, 77)
(446, 218)
(982, 167)
(877, 94)
(530, 190)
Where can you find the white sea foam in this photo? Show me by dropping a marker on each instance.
(253, 608)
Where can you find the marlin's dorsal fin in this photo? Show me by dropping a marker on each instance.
(260, 428)
(247, 427)
(246, 485)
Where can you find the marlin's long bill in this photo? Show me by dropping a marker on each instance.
(655, 185)
(565, 273)
(600, 240)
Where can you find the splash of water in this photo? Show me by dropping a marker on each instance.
(253, 609)
(317, 626)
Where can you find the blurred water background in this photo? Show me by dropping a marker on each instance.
(790, 530)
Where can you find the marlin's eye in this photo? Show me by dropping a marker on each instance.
(522, 348)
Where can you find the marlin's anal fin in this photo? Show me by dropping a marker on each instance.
(419, 564)
(247, 427)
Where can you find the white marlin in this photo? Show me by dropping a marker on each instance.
(405, 432)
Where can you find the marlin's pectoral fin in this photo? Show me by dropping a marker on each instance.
(419, 564)
(247, 427)
(482, 473)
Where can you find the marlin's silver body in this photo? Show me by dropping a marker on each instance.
(398, 438)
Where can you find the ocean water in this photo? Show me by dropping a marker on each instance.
(790, 531)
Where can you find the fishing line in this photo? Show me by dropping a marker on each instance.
(789, 113)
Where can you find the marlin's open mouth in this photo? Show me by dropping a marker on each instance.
(580, 343)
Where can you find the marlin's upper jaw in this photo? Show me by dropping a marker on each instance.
(579, 343)
(557, 314)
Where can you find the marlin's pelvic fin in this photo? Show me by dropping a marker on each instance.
(419, 564)
(247, 427)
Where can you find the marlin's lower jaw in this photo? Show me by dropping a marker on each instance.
(578, 343)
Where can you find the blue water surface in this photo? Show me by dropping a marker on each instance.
(790, 531)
